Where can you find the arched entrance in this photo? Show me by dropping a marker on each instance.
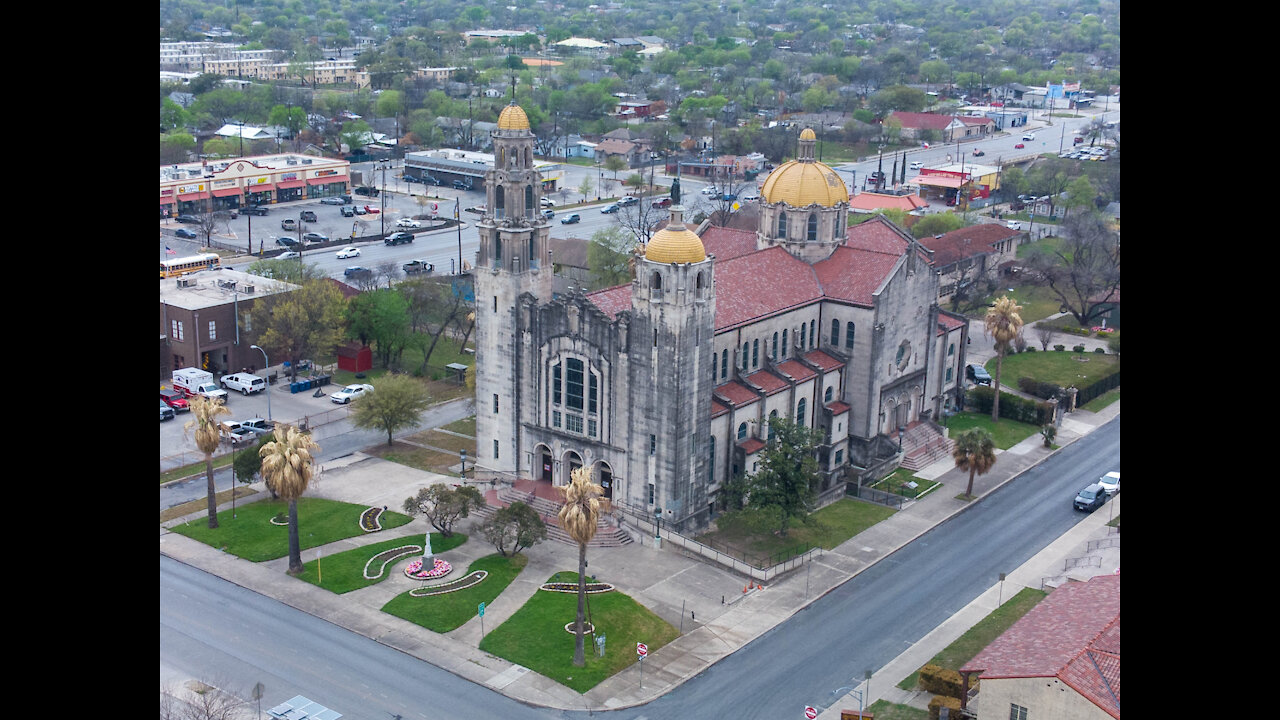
(572, 461)
(543, 470)
(603, 475)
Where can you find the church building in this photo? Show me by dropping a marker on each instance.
(664, 386)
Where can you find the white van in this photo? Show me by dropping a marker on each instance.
(1029, 137)
(246, 383)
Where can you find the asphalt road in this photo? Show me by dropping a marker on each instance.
(211, 628)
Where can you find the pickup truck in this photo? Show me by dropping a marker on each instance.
(417, 266)
(258, 425)
(235, 432)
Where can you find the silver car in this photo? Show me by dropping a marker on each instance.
(351, 392)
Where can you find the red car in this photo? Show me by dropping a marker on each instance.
(1019, 146)
(371, 210)
(664, 202)
(174, 399)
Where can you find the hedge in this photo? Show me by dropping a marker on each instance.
(940, 701)
(1032, 412)
(1089, 392)
(941, 681)
(1045, 390)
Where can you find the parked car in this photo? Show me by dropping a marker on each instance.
(166, 412)
(977, 374)
(185, 233)
(547, 202)
(256, 210)
(368, 191)
(351, 392)
(1015, 224)
(1019, 146)
(916, 165)
(371, 210)
(174, 399)
(359, 210)
(331, 201)
(289, 255)
(1090, 498)
(413, 267)
(314, 237)
(307, 215)
(751, 197)
(708, 190)
(459, 185)
(978, 153)
(431, 180)
(398, 238)
(571, 219)
(356, 272)
(412, 179)
(1077, 140)
(663, 203)
(1110, 482)
(286, 241)
(548, 213)
(348, 252)
(289, 224)
(347, 211)
(408, 223)
(610, 209)
(627, 201)
(1029, 137)
(188, 219)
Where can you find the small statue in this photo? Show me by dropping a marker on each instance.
(675, 191)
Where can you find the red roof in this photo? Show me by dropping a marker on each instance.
(736, 394)
(823, 360)
(751, 445)
(1073, 635)
(922, 121)
(838, 407)
(876, 201)
(966, 242)
(761, 284)
(796, 371)
(877, 235)
(728, 243)
(718, 408)
(950, 322)
(768, 382)
(613, 300)
(854, 275)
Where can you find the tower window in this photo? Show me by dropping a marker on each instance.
(742, 431)
(782, 225)
(848, 336)
(653, 444)
(495, 449)
(528, 202)
(801, 408)
(755, 353)
(499, 202)
(495, 403)
(813, 227)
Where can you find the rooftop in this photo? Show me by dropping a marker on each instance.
(217, 287)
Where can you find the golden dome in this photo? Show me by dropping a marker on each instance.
(675, 245)
(807, 134)
(800, 183)
(513, 118)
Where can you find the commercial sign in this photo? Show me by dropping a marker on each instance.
(185, 189)
(324, 173)
(265, 180)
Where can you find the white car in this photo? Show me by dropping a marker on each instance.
(1110, 482)
(348, 252)
(408, 223)
(1015, 225)
(351, 392)
(288, 255)
(708, 190)
(916, 165)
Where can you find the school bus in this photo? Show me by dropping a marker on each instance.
(184, 265)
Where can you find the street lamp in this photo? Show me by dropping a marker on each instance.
(657, 533)
(900, 431)
(463, 455)
(266, 365)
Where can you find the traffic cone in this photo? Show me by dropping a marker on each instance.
(745, 589)
(759, 586)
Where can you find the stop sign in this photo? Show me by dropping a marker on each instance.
(810, 712)
(642, 649)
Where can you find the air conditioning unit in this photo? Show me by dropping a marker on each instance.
(306, 161)
(247, 289)
(184, 282)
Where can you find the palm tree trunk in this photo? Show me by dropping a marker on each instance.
(295, 552)
(213, 500)
(579, 659)
(969, 490)
(995, 401)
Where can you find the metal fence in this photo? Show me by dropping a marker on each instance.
(878, 497)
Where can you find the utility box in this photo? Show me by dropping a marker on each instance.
(355, 357)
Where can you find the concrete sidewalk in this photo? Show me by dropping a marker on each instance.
(673, 586)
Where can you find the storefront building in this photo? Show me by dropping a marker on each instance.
(194, 188)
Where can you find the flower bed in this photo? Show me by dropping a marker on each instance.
(1100, 329)
(281, 523)
(596, 587)
(587, 628)
(389, 556)
(369, 519)
(415, 572)
(452, 586)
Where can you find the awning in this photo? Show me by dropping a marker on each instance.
(229, 192)
(327, 180)
(166, 201)
(193, 196)
(937, 181)
(290, 184)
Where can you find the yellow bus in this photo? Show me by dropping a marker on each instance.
(182, 266)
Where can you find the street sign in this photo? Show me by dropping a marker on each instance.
(481, 610)
(642, 649)
(810, 712)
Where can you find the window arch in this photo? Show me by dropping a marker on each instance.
(812, 233)
(742, 431)
(829, 394)
(502, 156)
(655, 281)
(801, 408)
(499, 201)
(528, 201)
(746, 349)
(848, 336)
(773, 415)
(835, 333)
(782, 224)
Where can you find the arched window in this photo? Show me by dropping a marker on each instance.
(655, 281)
(528, 201)
(499, 202)
(502, 156)
(700, 286)
(724, 364)
(784, 343)
(755, 353)
(835, 333)
(951, 349)
(800, 411)
(813, 333)
(813, 227)
(802, 335)
(533, 249)
(782, 225)
(497, 250)
(527, 158)
(848, 336)
(774, 356)
(773, 415)
(746, 348)
(742, 431)
(830, 394)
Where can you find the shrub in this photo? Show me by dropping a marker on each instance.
(1100, 351)
(1078, 349)
(938, 702)
(1030, 348)
(1045, 390)
(1059, 348)
(1032, 412)
(941, 681)
(1114, 344)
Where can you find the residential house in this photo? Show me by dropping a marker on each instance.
(1060, 661)
(569, 260)
(622, 148)
(962, 256)
(951, 128)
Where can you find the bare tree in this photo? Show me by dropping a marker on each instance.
(1045, 335)
(640, 219)
(388, 270)
(1083, 271)
(200, 701)
(727, 186)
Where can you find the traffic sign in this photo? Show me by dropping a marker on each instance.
(481, 610)
(642, 649)
(810, 712)
(434, 206)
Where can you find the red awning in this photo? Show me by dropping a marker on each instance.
(229, 192)
(192, 196)
(327, 180)
(290, 184)
(166, 201)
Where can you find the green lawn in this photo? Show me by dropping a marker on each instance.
(195, 468)
(1037, 303)
(466, 426)
(1063, 368)
(1007, 433)
(896, 483)
(968, 645)
(885, 710)
(827, 528)
(535, 637)
(1103, 400)
(442, 613)
(344, 571)
(252, 535)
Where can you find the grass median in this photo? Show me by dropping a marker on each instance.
(450, 611)
(343, 572)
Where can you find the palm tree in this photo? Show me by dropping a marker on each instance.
(578, 517)
(1003, 323)
(204, 418)
(975, 451)
(286, 468)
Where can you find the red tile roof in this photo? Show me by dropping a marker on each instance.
(613, 300)
(876, 201)
(1073, 635)
(838, 407)
(923, 121)
(796, 371)
(854, 275)
(768, 382)
(728, 243)
(736, 394)
(751, 445)
(718, 408)
(966, 242)
(823, 360)
(761, 284)
(877, 235)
